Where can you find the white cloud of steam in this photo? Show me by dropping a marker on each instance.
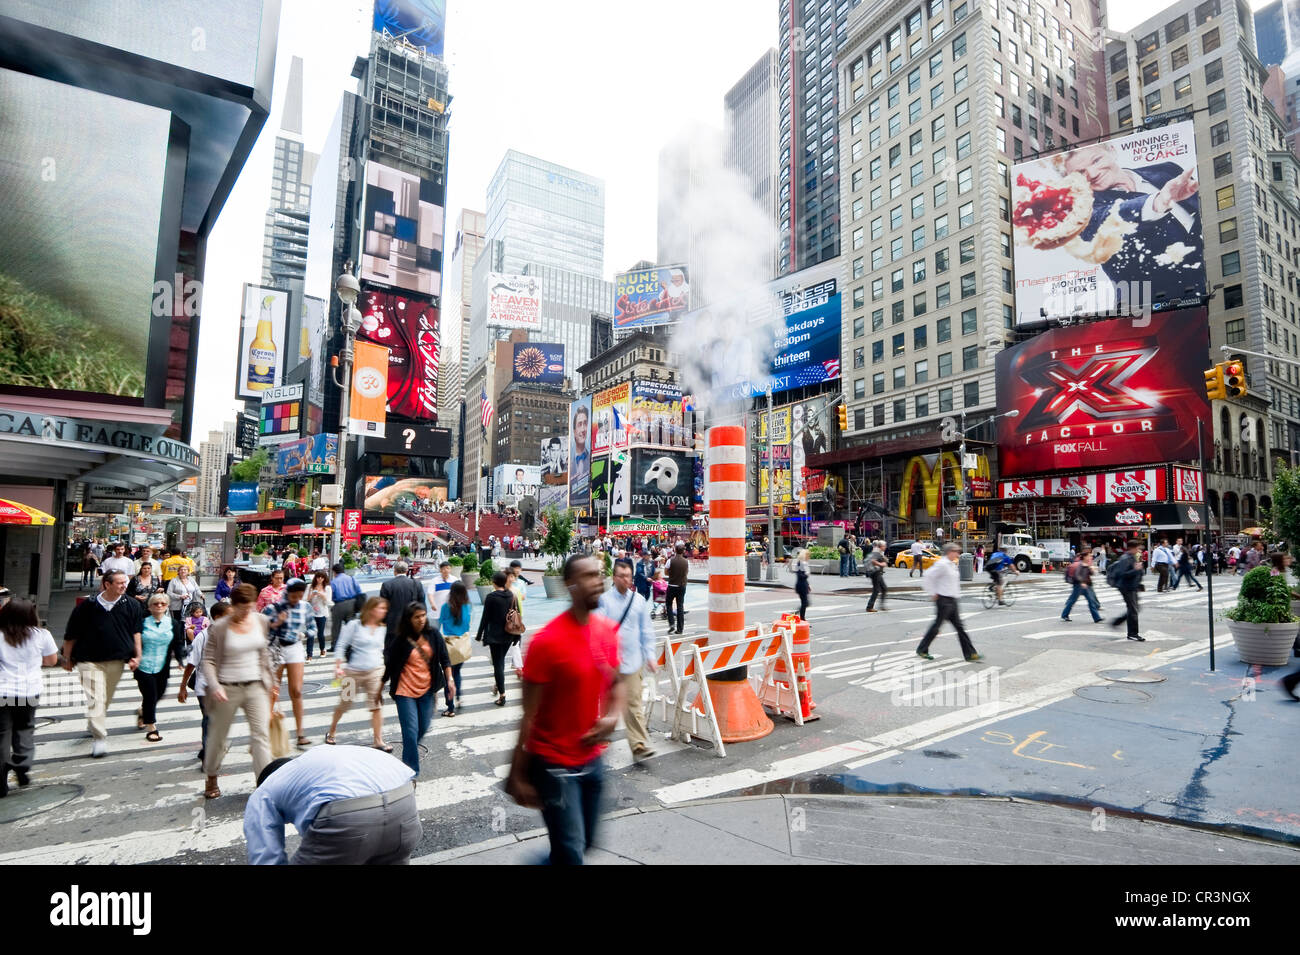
(711, 220)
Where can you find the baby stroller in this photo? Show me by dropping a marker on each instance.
(658, 597)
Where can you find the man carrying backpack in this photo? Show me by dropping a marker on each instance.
(845, 552)
(1125, 575)
(995, 565)
(875, 569)
(1079, 573)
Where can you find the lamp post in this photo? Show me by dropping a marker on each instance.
(347, 288)
(961, 455)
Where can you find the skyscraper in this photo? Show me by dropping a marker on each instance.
(752, 121)
(811, 33)
(456, 298)
(284, 245)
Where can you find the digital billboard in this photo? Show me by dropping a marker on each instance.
(772, 453)
(809, 424)
(387, 493)
(580, 452)
(540, 362)
(311, 346)
(807, 349)
(609, 418)
(662, 483)
(280, 418)
(656, 416)
(516, 480)
(554, 458)
(315, 454)
(648, 297)
(422, 22)
(514, 301)
(261, 359)
(79, 225)
(408, 328)
(1109, 228)
(1113, 487)
(1103, 394)
(403, 226)
(242, 497)
(553, 496)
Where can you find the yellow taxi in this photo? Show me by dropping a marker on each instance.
(929, 555)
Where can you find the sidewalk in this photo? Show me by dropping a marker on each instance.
(880, 830)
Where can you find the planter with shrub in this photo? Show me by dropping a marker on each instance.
(556, 545)
(483, 584)
(1262, 624)
(469, 569)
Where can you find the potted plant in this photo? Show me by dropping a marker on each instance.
(824, 560)
(484, 582)
(455, 560)
(556, 546)
(405, 552)
(1262, 624)
(469, 569)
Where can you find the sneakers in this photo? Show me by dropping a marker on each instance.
(974, 658)
(1137, 639)
(98, 748)
(924, 656)
(872, 610)
(1066, 619)
(642, 752)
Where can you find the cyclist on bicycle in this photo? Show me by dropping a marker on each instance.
(997, 563)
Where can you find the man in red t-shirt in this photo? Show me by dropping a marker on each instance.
(572, 699)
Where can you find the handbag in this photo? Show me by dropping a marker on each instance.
(279, 734)
(514, 620)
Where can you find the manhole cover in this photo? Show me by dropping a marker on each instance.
(1131, 676)
(1108, 693)
(308, 686)
(35, 799)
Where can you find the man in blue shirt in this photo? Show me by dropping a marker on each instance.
(352, 805)
(636, 650)
(344, 592)
(997, 563)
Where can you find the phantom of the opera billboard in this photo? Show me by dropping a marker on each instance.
(1110, 228)
(1104, 394)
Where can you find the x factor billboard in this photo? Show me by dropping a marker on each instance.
(1110, 228)
(1104, 394)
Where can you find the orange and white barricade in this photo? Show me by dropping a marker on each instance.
(702, 662)
(670, 659)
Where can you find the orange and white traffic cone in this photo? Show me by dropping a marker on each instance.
(805, 693)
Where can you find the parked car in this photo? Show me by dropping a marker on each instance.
(929, 555)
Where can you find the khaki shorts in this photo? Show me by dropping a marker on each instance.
(368, 686)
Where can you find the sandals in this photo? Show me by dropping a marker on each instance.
(153, 736)
(303, 742)
(329, 739)
(211, 791)
(382, 746)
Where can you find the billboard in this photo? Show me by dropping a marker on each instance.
(408, 328)
(648, 297)
(656, 416)
(366, 414)
(1110, 393)
(514, 301)
(311, 346)
(599, 484)
(516, 480)
(1109, 228)
(280, 418)
(387, 493)
(261, 357)
(403, 225)
(580, 452)
(316, 454)
(422, 22)
(242, 497)
(1189, 485)
(1114, 487)
(351, 530)
(662, 483)
(413, 440)
(541, 362)
(809, 423)
(620, 483)
(807, 350)
(553, 496)
(609, 415)
(555, 459)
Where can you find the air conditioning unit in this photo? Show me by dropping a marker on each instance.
(331, 495)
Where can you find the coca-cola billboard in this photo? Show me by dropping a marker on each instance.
(1103, 394)
(408, 328)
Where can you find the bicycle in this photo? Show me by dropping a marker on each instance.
(989, 595)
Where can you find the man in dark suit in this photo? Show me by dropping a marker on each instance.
(399, 591)
(1162, 202)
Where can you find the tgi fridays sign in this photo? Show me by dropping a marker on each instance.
(351, 531)
(1189, 485)
(1114, 487)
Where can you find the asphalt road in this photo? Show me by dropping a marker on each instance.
(878, 704)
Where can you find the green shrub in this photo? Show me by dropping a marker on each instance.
(1263, 598)
(469, 563)
(558, 540)
(456, 560)
(817, 552)
(405, 551)
(485, 572)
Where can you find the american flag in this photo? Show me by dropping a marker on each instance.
(487, 408)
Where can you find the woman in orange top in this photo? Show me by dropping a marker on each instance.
(416, 668)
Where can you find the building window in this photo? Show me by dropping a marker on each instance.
(921, 371)
(970, 394)
(965, 177)
(860, 388)
(1222, 164)
(1219, 133)
(965, 215)
(1152, 102)
(859, 328)
(941, 262)
(1231, 263)
(918, 271)
(969, 322)
(966, 250)
(900, 377)
(940, 194)
(896, 279)
(945, 400)
(896, 315)
(897, 345)
(877, 289)
(1118, 61)
(1149, 43)
(942, 295)
(1210, 40)
(877, 319)
(900, 409)
(1182, 87)
(1214, 72)
(917, 174)
(877, 351)
(1232, 297)
(1228, 230)
(959, 46)
(1226, 197)
(878, 383)
(918, 238)
(962, 112)
(859, 296)
(858, 239)
(943, 330)
(877, 415)
(918, 303)
(1179, 58)
(1124, 116)
(945, 365)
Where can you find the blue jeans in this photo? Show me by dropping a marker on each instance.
(570, 805)
(1181, 575)
(320, 635)
(446, 692)
(1093, 604)
(853, 565)
(844, 565)
(414, 714)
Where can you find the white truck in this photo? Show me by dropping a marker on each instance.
(1020, 547)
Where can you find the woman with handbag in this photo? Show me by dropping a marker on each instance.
(497, 607)
(359, 663)
(161, 635)
(182, 591)
(237, 673)
(453, 621)
(417, 667)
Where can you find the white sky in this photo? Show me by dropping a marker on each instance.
(598, 85)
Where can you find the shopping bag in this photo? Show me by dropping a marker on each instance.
(459, 649)
(516, 657)
(279, 736)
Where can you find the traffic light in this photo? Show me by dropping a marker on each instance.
(1147, 515)
(843, 412)
(1234, 377)
(1214, 383)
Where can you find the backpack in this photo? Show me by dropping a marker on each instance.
(1113, 571)
(1071, 568)
(844, 545)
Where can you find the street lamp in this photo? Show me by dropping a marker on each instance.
(961, 456)
(347, 288)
